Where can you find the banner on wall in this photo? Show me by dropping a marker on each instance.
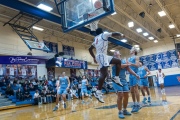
(70, 63)
(53, 47)
(163, 60)
(18, 70)
(22, 59)
(50, 73)
(68, 50)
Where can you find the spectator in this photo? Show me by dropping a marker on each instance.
(40, 79)
(44, 77)
(19, 95)
(79, 90)
(53, 95)
(25, 85)
(26, 94)
(9, 90)
(43, 96)
(3, 84)
(48, 97)
(18, 84)
(36, 97)
(31, 87)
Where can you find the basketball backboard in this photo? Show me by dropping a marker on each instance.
(78, 13)
(36, 45)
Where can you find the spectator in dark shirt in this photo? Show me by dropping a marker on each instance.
(48, 97)
(25, 85)
(26, 94)
(3, 85)
(53, 95)
(9, 90)
(43, 96)
(19, 95)
(31, 87)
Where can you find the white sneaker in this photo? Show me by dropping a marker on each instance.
(117, 81)
(98, 96)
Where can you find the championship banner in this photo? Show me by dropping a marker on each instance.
(53, 47)
(22, 60)
(68, 50)
(70, 63)
(163, 60)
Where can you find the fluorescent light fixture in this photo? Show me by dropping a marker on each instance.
(145, 34)
(114, 13)
(139, 30)
(37, 28)
(112, 50)
(124, 40)
(178, 35)
(151, 38)
(155, 41)
(44, 7)
(136, 46)
(131, 24)
(171, 26)
(161, 13)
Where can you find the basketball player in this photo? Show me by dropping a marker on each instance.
(101, 45)
(33, 71)
(11, 70)
(143, 72)
(160, 76)
(64, 84)
(84, 84)
(134, 61)
(122, 92)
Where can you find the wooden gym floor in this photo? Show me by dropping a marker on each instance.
(93, 110)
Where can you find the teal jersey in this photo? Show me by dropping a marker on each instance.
(63, 82)
(133, 61)
(142, 72)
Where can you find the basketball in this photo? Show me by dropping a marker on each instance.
(98, 4)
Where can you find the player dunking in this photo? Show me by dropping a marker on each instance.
(134, 61)
(143, 72)
(101, 45)
(64, 84)
(122, 92)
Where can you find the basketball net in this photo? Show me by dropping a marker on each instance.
(94, 25)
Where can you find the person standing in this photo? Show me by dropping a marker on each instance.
(161, 76)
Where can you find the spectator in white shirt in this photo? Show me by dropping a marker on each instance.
(36, 97)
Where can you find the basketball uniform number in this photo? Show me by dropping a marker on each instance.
(96, 41)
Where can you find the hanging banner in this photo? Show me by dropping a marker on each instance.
(163, 60)
(68, 50)
(53, 47)
(22, 60)
(70, 63)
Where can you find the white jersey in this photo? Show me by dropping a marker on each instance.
(101, 43)
(1, 71)
(33, 71)
(11, 71)
(160, 78)
(23, 71)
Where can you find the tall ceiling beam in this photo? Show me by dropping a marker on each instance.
(140, 6)
(168, 15)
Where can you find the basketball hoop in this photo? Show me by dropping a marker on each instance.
(94, 25)
(41, 45)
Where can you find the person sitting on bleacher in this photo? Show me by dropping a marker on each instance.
(53, 95)
(19, 95)
(31, 87)
(25, 85)
(36, 97)
(26, 94)
(18, 84)
(48, 96)
(9, 90)
(3, 85)
(43, 96)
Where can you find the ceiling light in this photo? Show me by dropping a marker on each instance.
(124, 40)
(38, 28)
(136, 46)
(151, 38)
(178, 35)
(145, 34)
(131, 24)
(44, 7)
(171, 26)
(139, 30)
(155, 41)
(162, 13)
(112, 50)
(114, 13)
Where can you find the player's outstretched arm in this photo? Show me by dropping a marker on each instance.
(117, 34)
